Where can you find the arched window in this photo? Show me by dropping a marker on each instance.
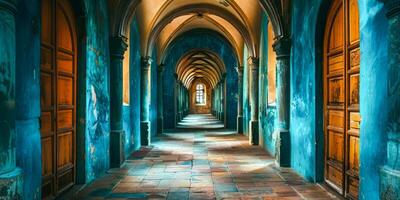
(200, 94)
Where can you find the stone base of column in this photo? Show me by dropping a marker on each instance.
(240, 124)
(117, 148)
(283, 149)
(389, 183)
(145, 136)
(160, 125)
(11, 185)
(253, 135)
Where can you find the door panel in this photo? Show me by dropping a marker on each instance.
(341, 98)
(58, 85)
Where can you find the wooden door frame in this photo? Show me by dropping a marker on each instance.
(79, 97)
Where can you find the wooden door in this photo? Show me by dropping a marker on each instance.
(341, 97)
(58, 85)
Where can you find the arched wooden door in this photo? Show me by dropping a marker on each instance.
(341, 97)
(58, 85)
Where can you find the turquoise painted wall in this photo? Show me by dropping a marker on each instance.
(154, 95)
(268, 118)
(373, 94)
(131, 112)
(97, 93)
(28, 149)
(246, 100)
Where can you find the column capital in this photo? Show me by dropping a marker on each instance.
(393, 7)
(118, 46)
(282, 47)
(146, 62)
(9, 5)
(161, 68)
(239, 70)
(253, 61)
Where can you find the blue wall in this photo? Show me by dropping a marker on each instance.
(268, 118)
(308, 23)
(200, 39)
(154, 96)
(97, 92)
(373, 93)
(246, 94)
(28, 148)
(131, 112)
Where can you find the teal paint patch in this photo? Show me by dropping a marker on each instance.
(97, 83)
(28, 140)
(135, 66)
(153, 96)
(246, 94)
(268, 114)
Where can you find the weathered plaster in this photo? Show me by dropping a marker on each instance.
(28, 143)
(97, 84)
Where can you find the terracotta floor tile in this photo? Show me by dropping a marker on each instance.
(202, 165)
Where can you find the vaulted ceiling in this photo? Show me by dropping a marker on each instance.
(160, 21)
(163, 20)
(200, 64)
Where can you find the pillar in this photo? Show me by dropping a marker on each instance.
(222, 97)
(254, 69)
(390, 173)
(282, 49)
(145, 94)
(240, 100)
(11, 180)
(118, 46)
(160, 114)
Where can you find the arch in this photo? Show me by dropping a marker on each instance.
(274, 15)
(200, 63)
(177, 32)
(201, 8)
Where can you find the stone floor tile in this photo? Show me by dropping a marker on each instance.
(202, 165)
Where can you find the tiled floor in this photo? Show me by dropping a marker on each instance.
(202, 165)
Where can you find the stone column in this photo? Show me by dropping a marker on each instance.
(118, 46)
(11, 180)
(254, 68)
(390, 173)
(160, 114)
(240, 100)
(282, 49)
(145, 94)
(222, 97)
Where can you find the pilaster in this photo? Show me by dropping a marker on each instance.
(390, 173)
(240, 100)
(145, 93)
(11, 180)
(160, 116)
(254, 128)
(118, 46)
(282, 49)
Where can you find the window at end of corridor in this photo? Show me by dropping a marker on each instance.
(200, 94)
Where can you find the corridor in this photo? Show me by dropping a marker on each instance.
(202, 164)
(199, 99)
